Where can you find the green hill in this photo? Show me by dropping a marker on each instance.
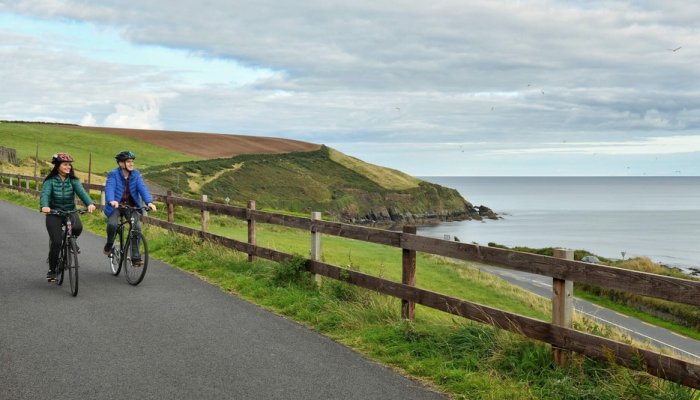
(52, 138)
(323, 180)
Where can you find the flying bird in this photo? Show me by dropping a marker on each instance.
(676, 49)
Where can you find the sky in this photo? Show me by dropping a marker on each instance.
(431, 88)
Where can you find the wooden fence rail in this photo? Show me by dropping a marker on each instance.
(560, 337)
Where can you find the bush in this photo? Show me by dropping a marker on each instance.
(292, 272)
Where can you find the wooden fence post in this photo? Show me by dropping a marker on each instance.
(315, 243)
(103, 198)
(251, 228)
(205, 216)
(10, 180)
(562, 303)
(408, 277)
(171, 206)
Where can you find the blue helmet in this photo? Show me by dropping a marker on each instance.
(125, 155)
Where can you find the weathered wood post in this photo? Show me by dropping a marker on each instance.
(26, 183)
(251, 228)
(103, 198)
(408, 276)
(315, 242)
(171, 206)
(562, 303)
(205, 215)
(10, 180)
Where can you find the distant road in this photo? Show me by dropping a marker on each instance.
(172, 337)
(659, 337)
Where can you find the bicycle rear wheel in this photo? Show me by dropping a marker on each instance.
(72, 266)
(61, 266)
(115, 261)
(135, 258)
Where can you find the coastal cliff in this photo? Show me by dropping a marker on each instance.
(343, 187)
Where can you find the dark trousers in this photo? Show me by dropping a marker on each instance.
(113, 221)
(53, 227)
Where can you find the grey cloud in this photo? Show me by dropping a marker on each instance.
(387, 72)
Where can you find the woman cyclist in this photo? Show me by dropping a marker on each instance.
(58, 193)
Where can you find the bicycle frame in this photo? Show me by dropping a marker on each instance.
(67, 241)
(122, 254)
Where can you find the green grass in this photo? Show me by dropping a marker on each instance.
(633, 312)
(682, 319)
(463, 359)
(80, 143)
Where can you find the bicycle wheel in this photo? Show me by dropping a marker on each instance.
(115, 260)
(61, 265)
(135, 253)
(72, 266)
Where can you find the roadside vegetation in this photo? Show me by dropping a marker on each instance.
(679, 318)
(463, 359)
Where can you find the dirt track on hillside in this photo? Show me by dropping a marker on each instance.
(210, 145)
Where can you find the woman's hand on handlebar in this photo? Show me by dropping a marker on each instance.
(152, 206)
(114, 204)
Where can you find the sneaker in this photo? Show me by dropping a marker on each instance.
(107, 249)
(77, 249)
(137, 262)
(51, 275)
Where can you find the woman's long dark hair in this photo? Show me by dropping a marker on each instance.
(54, 172)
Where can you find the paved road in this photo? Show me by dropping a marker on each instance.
(659, 337)
(172, 337)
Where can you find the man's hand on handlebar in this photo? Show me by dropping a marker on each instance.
(91, 208)
(45, 210)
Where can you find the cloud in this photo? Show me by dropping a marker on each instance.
(510, 75)
(88, 120)
(143, 116)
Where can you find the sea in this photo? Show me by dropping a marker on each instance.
(614, 217)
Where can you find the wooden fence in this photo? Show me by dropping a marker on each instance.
(562, 269)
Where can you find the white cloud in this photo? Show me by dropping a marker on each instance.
(88, 120)
(648, 146)
(143, 116)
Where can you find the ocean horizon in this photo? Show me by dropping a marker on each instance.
(615, 217)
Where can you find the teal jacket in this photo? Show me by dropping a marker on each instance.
(60, 194)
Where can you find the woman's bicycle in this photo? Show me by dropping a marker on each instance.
(131, 252)
(68, 255)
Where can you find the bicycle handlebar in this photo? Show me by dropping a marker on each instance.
(65, 213)
(125, 207)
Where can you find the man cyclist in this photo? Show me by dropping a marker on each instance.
(58, 193)
(124, 186)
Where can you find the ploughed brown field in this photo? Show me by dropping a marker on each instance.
(211, 145)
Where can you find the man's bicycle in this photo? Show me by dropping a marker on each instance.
(68, 255)
(131, 252)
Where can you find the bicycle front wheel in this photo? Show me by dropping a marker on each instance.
(135, 258)
(72, 266)
(115, 260)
